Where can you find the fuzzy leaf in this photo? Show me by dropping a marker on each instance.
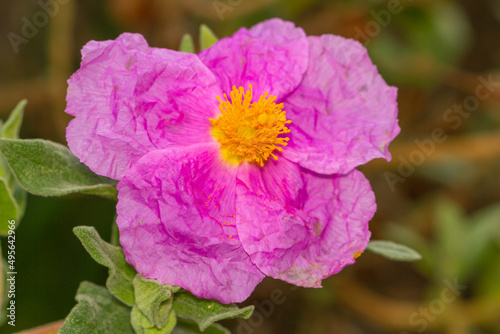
(12, 196)
(393, 251)
(187, 44)
(205, 312)
(46, 168)
(13, 124)
(189, 327)
(8, 207)
(97, 311)
(142, 325)
(153, 299)
(207, 37)
(121, 274)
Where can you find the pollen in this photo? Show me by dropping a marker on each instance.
(357, 254)
(250, 131)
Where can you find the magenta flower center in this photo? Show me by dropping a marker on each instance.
(250, 131)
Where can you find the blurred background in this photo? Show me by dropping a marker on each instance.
(439, 195)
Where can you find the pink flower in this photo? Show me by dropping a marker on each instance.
(239, 162)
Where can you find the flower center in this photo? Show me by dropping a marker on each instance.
(250, 131)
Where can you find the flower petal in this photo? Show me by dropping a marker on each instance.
(300, 226)
(176, 215)
(267, 225)
(272, 56)
(129, 99)
(343, 113)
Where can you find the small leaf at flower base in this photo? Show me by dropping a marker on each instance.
(393, 251)
(97, 311)
(121, 274)
(13, 124)
(139, 321)
(207, 37)
(189, 327)
(205, 312)
(46, 168)
(187, 44)
(142, 325)
(153, 299)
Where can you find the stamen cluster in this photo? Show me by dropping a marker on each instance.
(250, 131)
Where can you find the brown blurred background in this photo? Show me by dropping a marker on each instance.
(439, 195)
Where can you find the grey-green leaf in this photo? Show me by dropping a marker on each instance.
(153, 299)
(12, 196)
(189, 327)
(393, 251)
(13, 124)
(187, 44)
(121, 274)
(142, 325)
(205, 312)
(207, 37)
(97, 312)
(9, 209)
(46, 168)
(139, 321)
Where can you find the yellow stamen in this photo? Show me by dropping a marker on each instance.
(249, 131)
(357, 254)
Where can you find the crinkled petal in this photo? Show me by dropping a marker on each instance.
(130, 99)
(300, 226)
(267, 225)
(343, 113)
(272, 56)
(176, 216)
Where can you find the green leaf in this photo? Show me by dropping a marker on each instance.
(97, 312)
(12, 200)
(189, 327)
(205, 312)
(12, 196)
(153, 299)
(142, 325)
(187, 44)
(9, 209)
(115, 233)
(486, 285)
(479, 236)
(49, 169)
(207, 37)
(121, 274)
(139, 321)
(393, 251)
(13, 124)
(450, 236)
